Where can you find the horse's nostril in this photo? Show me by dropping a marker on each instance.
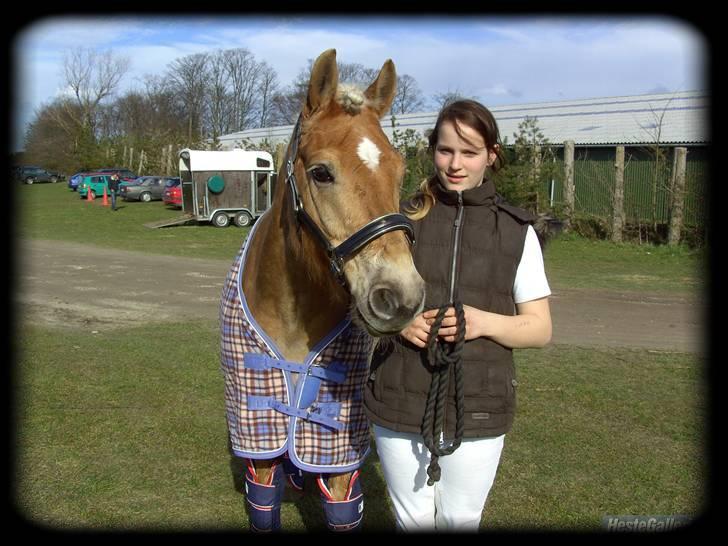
(384, 303)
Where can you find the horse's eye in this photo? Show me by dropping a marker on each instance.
(321, 174)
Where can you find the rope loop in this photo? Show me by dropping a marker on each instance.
(443, 356)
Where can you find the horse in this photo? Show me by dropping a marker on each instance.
(324, 274)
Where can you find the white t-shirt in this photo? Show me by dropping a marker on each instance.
(531, 283)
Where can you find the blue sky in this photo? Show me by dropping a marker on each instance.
(500, 60)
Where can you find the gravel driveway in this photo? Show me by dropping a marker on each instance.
(62, 284)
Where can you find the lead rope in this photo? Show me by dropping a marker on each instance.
(441, 357)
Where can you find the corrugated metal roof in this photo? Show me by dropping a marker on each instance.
(670, 118)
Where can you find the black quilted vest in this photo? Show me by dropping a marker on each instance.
(490, 247)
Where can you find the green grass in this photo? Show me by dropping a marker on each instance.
(52, 211)
(576, 262)
(128, 432)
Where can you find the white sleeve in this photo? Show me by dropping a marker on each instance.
(531, 283)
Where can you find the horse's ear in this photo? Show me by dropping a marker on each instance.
(380, 93)
(323, 82)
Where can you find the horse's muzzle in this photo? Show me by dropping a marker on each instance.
(392, 307)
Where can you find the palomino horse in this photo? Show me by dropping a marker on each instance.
(325, 271)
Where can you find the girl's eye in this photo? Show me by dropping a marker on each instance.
(321, 174)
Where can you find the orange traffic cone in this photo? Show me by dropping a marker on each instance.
(89, 195)
(105, 201)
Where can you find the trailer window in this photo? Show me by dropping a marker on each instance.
(260, 162)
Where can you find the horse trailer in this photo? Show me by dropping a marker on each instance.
(224, 186)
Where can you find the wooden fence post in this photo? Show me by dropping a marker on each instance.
(568, 183)
(130, 165)
(123, 161)
(678, 196)
(618, 202)
(141, 163)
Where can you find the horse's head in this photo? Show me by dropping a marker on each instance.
(348, 174)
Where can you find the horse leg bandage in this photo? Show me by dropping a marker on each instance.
(294, 475)
(264, 499)
(346, 514)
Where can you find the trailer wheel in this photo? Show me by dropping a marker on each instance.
(242, 219)
(220, 219)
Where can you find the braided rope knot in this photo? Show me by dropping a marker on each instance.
(442, 357)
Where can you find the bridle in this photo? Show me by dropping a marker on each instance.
(372, 230)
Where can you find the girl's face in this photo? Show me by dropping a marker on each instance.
(460, 163)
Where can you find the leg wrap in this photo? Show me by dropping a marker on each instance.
(344, 515)
(294, 475)
(264, 500)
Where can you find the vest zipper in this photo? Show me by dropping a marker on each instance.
(457, 235)
(456, 248)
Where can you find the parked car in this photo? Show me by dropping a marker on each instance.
(145, 188)
(173, 192)
(124, 174)
(75, 179)
(33, 175)
(94, 183)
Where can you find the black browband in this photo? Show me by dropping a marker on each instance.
(372, 230)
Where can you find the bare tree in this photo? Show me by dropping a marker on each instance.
(219, 105)
(244, 73)
(409, 97)
(166, 113)
(658, 153)
(285, 106)
(189, 78)
(448, 97)
(268, 86)
(47, 139)
(92, 76)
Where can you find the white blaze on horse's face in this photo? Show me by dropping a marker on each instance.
(368, 153)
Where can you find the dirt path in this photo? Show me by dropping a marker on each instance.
(73, 285)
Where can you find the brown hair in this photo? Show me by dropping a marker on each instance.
(474, 115)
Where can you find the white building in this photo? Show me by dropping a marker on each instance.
(667, 118)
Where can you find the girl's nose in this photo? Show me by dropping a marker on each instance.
(455, 162)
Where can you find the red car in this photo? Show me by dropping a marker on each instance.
(172, 194)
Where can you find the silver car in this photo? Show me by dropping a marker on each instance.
(144, 188)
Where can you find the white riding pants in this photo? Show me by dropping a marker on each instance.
(456, 501)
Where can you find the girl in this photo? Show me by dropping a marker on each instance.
(482, 262)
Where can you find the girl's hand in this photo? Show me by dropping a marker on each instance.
(448, 328)
(417, 332)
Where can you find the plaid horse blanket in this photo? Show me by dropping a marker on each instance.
(311, 410)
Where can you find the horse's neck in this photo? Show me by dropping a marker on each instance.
(283, 296)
